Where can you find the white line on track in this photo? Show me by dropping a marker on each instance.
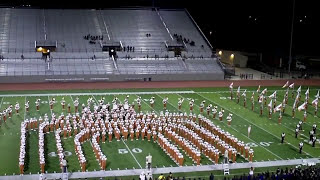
(96, 94)
(131, 154)
(248, 121)
(243, 134)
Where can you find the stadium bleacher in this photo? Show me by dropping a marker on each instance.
(78, 36)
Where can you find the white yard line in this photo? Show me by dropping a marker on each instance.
(49, 105)
(249, 121)
(90, 93)
(246, 136)
(25, 111)
(131, 154)
(71, 98)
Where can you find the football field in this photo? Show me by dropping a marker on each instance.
(265, 138)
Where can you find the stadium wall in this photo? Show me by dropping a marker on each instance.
(113, 78)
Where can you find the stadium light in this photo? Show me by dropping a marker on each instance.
(220, 53)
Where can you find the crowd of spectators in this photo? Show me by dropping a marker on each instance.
(92, 39)
(180, 38)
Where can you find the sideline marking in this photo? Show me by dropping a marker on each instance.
(96, 94)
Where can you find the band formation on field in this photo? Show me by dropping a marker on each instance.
(190, 128)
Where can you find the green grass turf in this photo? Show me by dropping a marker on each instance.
(265, 135)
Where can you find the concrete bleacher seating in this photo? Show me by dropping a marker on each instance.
(21, 28)
(179, 23)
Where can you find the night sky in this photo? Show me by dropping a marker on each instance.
(250, 25)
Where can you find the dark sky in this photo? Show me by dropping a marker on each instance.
(249, 25)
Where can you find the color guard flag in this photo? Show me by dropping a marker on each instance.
(299, 89)
(291, 85)
(286, 84)
(231, 85)
(317, 96)
(258, 90)
(244, 93)
(307, 92)
(294, 104)
(273, 95)
(302, 106)
(315, 102)
(270, 104)
(238, 91)
(264, 91)
(260, 99)
(278, 108)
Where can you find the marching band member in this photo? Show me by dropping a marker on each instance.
(17, 107)
(63, 103)
(37, 104)
(180, 101)
(26, 105)
(51, 103)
